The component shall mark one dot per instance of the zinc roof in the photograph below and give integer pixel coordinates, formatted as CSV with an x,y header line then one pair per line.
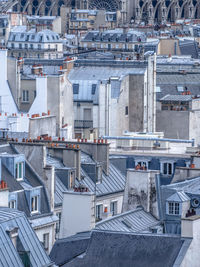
x,y
10,219
136,220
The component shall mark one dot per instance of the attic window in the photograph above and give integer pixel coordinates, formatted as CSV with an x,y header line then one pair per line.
x,y
53,37
173,208
94,86
47,37
180,88
32,37
12,204
75,88
19,170
34,204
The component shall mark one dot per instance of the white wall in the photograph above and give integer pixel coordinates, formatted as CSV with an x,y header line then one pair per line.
x,y
140,190
44,230
106,201
77,213
190,228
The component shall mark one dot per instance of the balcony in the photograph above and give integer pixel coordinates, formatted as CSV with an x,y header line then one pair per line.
x,y
83,124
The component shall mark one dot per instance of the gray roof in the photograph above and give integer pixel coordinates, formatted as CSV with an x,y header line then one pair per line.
x,y
118,249
191,186
179,197
44,36
136,220
85,77
116,35
10,219
112,183
67,248
182,98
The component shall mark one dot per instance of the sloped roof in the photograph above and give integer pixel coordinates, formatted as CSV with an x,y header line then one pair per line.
x,y
112,183
67,248
182,98
178,197
118,249
10,219
136,220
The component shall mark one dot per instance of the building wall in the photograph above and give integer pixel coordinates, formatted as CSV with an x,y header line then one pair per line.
x,y
121,119
194,119
168,47
77,213
42,126
106,202
140,189
136,103
190,229
50,229
174,124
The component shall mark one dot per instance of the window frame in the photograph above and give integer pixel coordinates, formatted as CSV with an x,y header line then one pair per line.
x,y
99,212
46,241
25,96
19,171
34,203
173,208
113,209
13,201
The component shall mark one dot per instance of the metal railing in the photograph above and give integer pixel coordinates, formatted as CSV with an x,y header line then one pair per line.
x,y
83,124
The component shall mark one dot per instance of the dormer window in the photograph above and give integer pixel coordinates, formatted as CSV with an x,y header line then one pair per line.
x,y
71,180
19,170
99,174
12,204
173,208
34,204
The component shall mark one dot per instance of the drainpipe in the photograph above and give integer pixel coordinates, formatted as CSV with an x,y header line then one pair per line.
x,y
150,139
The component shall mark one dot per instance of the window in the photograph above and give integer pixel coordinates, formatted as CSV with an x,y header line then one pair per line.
x,y
158,89
180,88
113,208
58,214
71,180
12,45
173,208
143,164
39,46
31,46
25,95
167,168
99,174
12,204
99,211
46,241
35,93
20,46
94,86
19,170
75,89
26,46
34,204
49,47
126,110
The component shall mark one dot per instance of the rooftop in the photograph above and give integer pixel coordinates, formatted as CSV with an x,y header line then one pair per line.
x,y
116,249
136,221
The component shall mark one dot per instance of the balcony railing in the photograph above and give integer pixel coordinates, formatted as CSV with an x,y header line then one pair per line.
x,y
83,124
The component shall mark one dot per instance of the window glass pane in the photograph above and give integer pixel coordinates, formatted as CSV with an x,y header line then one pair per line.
x,y
177,208
171,207
20,170
165,168
36,203
169,168
32,204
